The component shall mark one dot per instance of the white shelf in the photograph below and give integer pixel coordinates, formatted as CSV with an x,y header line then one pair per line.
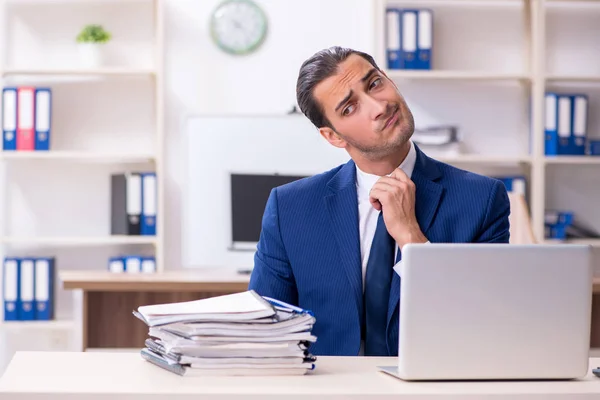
x,y
456,75
573,78
78,241
484,160
79,72
573,160
590,242
461,3
40,325
76,156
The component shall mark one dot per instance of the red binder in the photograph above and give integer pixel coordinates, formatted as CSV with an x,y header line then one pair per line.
x,y
26,118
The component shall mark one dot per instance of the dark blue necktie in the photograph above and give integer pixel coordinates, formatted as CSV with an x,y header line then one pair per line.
x,y
377,289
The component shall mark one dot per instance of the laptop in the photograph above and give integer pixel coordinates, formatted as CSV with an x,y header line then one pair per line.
x,y
494,311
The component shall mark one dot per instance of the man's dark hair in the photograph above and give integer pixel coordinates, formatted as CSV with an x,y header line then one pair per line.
x,y
317,68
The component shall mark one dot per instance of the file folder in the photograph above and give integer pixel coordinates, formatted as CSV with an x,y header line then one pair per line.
x,y
126,204
148,264
25,118
9,118
393,49
564,124
149,200
27,311
43,119
424,38
116,264
514,184
551,124
44,288
409,39
11,289
579,128
593,147
133,264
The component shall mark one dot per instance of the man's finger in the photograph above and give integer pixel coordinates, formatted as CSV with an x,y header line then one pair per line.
x,y
388,180
399,174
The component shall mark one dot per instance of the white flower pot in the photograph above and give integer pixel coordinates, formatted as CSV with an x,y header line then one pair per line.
x,y
91,54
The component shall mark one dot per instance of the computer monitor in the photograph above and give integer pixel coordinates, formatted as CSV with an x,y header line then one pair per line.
x,y
494,311
249,195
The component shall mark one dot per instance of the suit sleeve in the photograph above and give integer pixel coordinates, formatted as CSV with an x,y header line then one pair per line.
x,y
272,274
496,226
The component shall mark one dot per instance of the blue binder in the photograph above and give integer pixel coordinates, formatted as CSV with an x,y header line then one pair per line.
x,y
149,204
43,118
133,264
593,147
424,38
44,288
551,124
148,264
116,264
514,184
408,36
565,124
11,288
9,118
27,290
577,142
392,34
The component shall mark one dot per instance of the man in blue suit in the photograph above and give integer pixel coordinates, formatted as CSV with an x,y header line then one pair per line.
x,y
329,242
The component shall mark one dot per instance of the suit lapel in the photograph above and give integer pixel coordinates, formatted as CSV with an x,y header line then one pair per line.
x,y
342,206
428,194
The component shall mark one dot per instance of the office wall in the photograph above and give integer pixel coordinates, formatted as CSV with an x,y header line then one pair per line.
x,y
203,80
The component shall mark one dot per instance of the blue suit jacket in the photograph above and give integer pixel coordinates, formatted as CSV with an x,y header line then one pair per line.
x,y
309,248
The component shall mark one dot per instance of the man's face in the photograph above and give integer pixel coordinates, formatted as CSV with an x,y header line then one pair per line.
x,y
367,112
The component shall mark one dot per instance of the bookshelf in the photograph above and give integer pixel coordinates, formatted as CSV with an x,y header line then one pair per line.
x,y
539,45
106,119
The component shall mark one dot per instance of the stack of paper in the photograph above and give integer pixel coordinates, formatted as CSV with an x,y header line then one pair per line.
x,y
237,334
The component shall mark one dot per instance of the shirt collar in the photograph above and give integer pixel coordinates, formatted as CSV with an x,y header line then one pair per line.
x,y
365,181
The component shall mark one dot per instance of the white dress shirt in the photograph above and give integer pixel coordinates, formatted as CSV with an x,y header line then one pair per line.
x,y
367,214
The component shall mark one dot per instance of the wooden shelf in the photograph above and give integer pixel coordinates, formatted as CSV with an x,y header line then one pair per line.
x,y
78,240
77,156
196,280
456,75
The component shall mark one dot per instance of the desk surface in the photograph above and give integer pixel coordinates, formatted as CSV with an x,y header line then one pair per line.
x,y
201,279
197,280
128,376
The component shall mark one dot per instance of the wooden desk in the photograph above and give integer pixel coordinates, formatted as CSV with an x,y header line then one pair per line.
x,y
108,299
126,376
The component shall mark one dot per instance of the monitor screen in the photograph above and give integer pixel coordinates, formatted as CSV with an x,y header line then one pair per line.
x,y
249,195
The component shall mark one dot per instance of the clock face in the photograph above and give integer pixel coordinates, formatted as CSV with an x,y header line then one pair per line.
x,y
238,26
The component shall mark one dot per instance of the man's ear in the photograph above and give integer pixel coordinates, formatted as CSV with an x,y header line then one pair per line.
x,y
332,137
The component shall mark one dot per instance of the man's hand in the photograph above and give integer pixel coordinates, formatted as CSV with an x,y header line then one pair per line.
x,y
395,195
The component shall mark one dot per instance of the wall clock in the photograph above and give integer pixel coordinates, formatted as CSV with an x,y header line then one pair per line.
x,y
238,26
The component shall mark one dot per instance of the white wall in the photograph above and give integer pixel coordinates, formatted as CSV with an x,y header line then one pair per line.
x,y
203,80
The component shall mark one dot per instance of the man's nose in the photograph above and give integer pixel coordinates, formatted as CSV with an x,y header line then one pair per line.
x,y
377,108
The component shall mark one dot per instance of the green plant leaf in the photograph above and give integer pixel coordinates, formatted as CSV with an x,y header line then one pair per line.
x,y
93,33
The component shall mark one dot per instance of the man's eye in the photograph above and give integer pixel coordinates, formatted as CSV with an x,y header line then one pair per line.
x,y
348,109
375,83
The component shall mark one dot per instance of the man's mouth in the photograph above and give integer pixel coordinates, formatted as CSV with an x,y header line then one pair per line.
x,y
392,120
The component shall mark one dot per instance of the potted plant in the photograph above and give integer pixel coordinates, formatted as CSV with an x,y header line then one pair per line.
x,y
91,41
